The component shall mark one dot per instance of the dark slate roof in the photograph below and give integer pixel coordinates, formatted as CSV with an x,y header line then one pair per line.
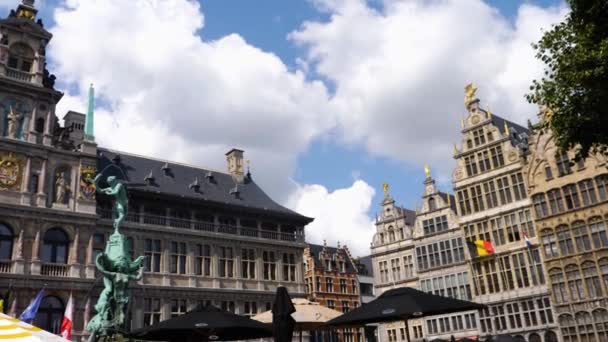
x,y
174,179
519,134
366,267
315,252
410,215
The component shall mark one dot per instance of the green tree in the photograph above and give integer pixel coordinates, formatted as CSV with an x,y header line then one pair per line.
x,y
575,82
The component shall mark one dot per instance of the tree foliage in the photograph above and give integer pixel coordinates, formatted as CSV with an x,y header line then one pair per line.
x,y
575,83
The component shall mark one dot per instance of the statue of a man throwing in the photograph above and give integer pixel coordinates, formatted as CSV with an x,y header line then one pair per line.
x,y
118,191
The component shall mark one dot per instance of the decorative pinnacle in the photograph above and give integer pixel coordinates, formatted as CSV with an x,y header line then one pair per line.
x,y
462,123
488,112
506,128
89,126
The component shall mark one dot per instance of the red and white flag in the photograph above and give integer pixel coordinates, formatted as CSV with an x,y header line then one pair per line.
x,y
66,324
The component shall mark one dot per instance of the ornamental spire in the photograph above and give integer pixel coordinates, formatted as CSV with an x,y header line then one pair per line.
x,y
89,130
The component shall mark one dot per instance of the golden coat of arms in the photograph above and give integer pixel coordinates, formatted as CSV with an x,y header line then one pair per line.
x,y
87,186
10,171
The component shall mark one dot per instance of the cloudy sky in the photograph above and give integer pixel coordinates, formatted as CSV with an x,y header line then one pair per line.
x,y
328,98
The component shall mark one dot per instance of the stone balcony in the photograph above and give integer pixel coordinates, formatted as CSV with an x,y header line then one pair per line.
x,y
203,226
18,75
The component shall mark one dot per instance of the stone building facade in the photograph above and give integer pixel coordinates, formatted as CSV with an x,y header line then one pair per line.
x,y
571,209
393,261
210,237
441,262
493,205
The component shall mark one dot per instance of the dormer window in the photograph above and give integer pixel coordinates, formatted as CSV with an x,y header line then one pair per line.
x,y
432,205
21,57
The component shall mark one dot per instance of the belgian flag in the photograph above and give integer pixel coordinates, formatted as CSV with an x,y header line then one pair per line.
x,y
480,248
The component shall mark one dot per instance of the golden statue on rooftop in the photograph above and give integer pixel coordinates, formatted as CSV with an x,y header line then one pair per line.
x,y
469,93
427,171
385,189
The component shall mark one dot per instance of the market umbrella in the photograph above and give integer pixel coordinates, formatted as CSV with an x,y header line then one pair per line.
x,y
206,323
12,329
308,316
504,338
282,322
403,303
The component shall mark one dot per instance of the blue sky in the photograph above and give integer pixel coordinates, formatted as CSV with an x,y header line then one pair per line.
x,y
266,24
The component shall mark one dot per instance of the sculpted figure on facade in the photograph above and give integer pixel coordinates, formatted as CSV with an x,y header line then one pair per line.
x,y
13,119
60,189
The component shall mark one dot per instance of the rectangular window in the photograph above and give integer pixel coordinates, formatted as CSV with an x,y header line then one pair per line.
x,y
396,269
519,189
464,202
478,137
153,255
571,196
497,158
248,263
556,201
503,190
477,198
484,161
498,231
506,272
178,257
329,284
270,266
602,186
490,192
345,306
178,307
587,192
331,304
202,265
226,262
343,287
383,266
563,164
470,165
408,266
289,267
152,311
540,205
512,227
548,173
514,315
228,305
250,308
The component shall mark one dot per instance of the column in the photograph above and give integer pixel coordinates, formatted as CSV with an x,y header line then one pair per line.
x,y
35,270
259,268
73,193
166,259
26,198
48,129
238,265
190,267
214,265
87,312
73,257
41,196
89,262
18,262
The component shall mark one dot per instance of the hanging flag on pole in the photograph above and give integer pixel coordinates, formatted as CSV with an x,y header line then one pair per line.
x,y
66,324
480,248
528,243
30,312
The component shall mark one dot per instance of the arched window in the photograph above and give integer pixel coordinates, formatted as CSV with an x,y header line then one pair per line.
x,y
549,243
432,205
592,280
598,232
55,246
50,314
585,327
568,326
469,143
534,337
381,237
20,57
558,284
602,186
391,234
39,125
603,263
575,283
551,336
581,235
564,237
600,319
6,242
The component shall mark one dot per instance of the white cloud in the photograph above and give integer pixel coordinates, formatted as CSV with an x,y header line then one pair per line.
x,y
340,215
176,96
400,72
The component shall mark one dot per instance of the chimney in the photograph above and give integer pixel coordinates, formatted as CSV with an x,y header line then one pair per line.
x,y
234,158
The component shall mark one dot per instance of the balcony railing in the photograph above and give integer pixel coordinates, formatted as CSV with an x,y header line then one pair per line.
x,y
19,75
55,270
181,223
5,266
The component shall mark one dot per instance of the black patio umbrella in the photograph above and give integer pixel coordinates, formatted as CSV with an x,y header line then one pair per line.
x,y
439,340
403,303
504,338
282,322
206,323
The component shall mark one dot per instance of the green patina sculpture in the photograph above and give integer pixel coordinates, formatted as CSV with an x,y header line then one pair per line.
x,y
117,269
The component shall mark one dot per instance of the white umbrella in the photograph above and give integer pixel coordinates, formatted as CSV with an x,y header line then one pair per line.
x,y
308,316
12,329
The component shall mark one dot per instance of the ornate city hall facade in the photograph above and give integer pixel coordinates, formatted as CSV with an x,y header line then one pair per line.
x,y
571,209
209,236
442,262
493,205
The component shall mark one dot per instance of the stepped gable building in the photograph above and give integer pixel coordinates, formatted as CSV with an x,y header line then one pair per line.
x,y
210,237
441,264
571,209
493,205
394,261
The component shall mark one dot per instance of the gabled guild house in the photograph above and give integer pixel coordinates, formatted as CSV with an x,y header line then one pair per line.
x,y
209,235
